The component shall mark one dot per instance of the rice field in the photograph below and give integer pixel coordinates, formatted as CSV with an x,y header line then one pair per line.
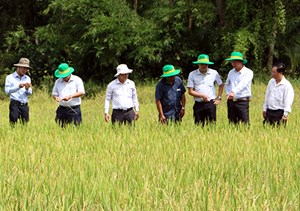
x,y
149,166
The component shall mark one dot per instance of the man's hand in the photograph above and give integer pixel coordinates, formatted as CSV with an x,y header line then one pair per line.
x,y
162,119
230,96
27,85
106,117
136,115
181,113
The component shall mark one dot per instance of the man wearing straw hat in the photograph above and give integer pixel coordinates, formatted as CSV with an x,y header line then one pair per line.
x,y
68,90
169,96
238,89
122,93
201,85
18,86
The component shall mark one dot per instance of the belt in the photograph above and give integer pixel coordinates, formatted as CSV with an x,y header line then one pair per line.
x,y
123,110
69,107
203,102
18,102
242,99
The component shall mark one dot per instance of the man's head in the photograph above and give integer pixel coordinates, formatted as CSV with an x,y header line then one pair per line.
x,y
237,60
203,62
122,72
23,66
169,71
64,71
278,70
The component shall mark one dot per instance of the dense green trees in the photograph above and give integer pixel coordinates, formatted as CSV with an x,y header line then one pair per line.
x,y
96,35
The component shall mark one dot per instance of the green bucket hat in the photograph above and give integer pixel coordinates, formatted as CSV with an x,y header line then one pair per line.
x,y
203,59
236,56
169,70
63,70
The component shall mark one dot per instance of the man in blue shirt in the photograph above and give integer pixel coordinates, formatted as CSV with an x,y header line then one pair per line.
x,y
169,96
18,86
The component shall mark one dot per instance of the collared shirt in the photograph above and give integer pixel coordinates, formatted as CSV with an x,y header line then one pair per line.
x,y
279,96
239,82
204,83
123,96
12,88
170,96
64,89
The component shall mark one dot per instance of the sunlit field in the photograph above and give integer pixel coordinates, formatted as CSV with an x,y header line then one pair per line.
x,y
149,166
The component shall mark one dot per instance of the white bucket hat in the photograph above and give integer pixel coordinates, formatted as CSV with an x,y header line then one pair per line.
x,y
123,69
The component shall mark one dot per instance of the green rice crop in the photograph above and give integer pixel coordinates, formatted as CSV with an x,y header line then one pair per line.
x,y
149,166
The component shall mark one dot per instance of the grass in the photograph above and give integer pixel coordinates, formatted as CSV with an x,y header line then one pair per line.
x,y
149,166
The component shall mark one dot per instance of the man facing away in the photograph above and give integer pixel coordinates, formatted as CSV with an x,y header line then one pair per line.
x,y
238,89
169,96
122,93
18,86
279,97
201,85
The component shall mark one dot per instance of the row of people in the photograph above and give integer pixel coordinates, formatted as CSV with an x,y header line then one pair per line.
x,y
169,94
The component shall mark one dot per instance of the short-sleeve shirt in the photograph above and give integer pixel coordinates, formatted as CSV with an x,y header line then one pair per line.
x,y
63,89
204,83
170,96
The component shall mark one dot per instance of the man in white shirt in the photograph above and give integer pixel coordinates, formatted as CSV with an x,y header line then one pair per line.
x,y
238,89
68,90
279,97
201,85
122,93
18,86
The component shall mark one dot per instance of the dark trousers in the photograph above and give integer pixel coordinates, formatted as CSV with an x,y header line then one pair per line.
x,y
67,115
123,116
18,110
274,117
238,111
204,112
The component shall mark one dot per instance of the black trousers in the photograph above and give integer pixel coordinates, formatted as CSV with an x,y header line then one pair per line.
x,y
274,117
238,111
123,116
204,112
18,110
67,115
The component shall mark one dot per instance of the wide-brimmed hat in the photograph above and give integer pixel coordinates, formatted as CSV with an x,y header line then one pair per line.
x,y
23,62
63,70
169,70
123,69
203,59
237,56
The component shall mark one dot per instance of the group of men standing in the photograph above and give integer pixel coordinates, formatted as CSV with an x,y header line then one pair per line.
x,y
170,99
169,94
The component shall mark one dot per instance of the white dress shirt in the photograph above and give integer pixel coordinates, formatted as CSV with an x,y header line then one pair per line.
x,y
123,96
279,96
12,88
64,89
204,83
239,82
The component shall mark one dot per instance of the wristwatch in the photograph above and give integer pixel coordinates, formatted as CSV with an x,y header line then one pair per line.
x,y
183,108
219,98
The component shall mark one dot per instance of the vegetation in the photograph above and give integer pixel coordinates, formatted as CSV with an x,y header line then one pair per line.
x,y
149,166
95,36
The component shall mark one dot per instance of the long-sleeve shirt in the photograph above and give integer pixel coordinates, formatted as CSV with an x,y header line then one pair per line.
x,y
12,88
123,96
279,96
239,82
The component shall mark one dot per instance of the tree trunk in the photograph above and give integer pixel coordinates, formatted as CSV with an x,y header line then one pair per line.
x,y
271,49
221,11
135,5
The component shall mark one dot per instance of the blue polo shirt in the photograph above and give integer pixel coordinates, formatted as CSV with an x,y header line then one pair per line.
x,y
170,96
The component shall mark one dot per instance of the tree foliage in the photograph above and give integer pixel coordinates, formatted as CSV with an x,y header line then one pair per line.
x,y
95,36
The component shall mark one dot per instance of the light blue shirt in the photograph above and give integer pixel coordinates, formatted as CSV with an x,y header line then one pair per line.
x,y
12,88
204,83
239,82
